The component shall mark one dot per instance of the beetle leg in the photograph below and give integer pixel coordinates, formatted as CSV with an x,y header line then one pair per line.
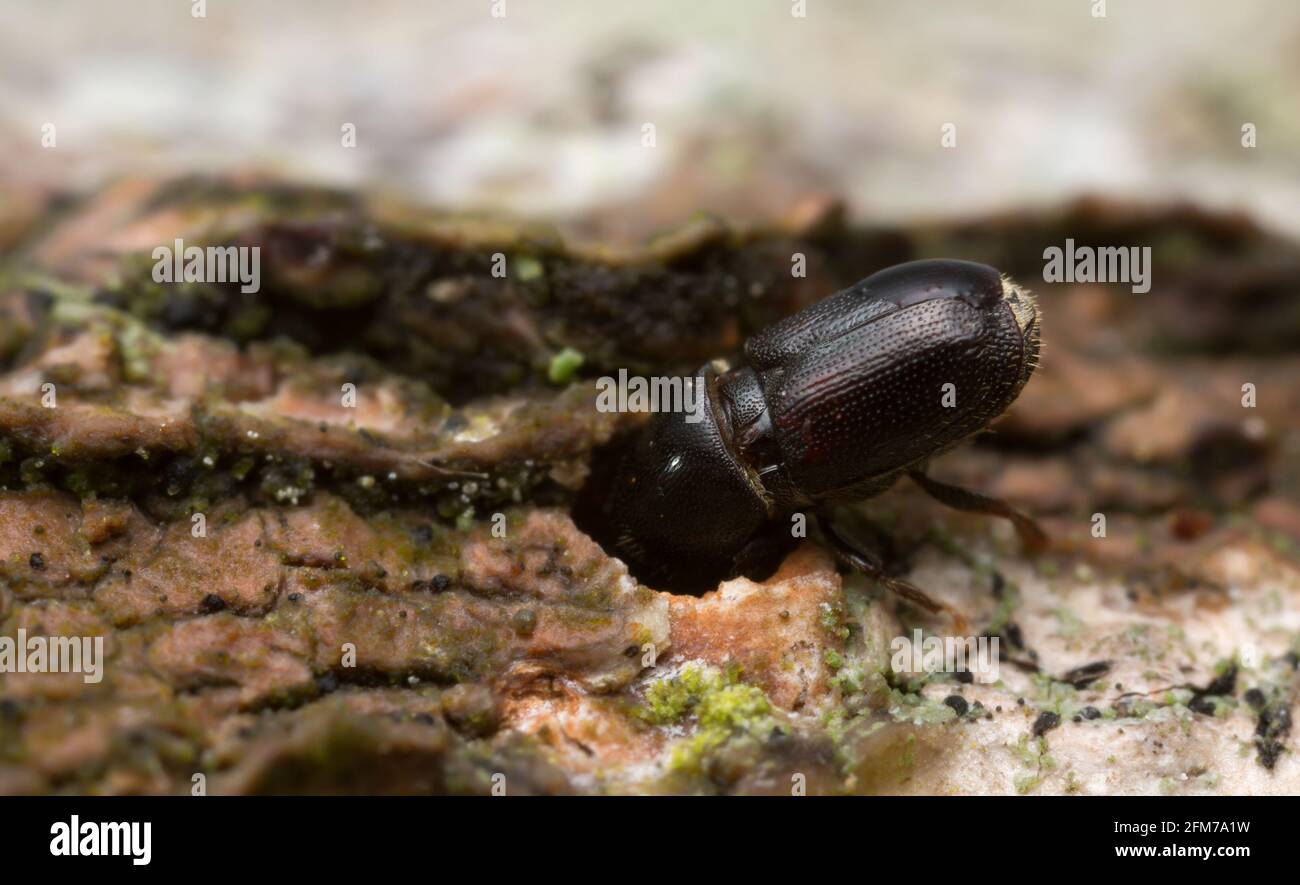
x,y
1031,535
869,564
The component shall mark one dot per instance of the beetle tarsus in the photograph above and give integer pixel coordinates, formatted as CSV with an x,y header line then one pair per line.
x,y
854,556
958,498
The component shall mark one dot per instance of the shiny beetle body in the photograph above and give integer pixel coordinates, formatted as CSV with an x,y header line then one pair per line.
x,y
834,403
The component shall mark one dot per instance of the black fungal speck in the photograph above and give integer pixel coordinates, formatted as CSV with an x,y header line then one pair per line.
x,y
958,704
1045,722
1082,677
211,604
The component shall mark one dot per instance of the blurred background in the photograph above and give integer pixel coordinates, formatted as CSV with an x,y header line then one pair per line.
x,y
541,112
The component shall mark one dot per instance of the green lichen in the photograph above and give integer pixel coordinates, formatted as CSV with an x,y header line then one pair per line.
x,y
1025,782
918,709
850,679
1006,609
465,520
1068,623
1033,754
1056,697
831,618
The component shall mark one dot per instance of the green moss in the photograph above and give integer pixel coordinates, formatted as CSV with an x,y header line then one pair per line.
x,y
724,709
564,366
137,347
715,697
669,700
733,707
528,268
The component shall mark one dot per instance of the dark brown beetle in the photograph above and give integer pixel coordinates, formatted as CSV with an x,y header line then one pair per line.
x,y
835,403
